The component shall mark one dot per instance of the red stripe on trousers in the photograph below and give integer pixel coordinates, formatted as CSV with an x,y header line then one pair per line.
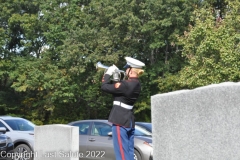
x,y
120,143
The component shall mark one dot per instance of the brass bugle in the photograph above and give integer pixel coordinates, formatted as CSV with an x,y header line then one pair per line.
x,y
99,65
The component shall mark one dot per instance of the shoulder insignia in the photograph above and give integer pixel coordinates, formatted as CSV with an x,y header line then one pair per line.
x,y
117,85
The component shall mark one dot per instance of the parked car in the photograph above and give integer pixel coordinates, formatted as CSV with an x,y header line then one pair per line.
x,y
141,131
146,125
6,145
95,139
21,131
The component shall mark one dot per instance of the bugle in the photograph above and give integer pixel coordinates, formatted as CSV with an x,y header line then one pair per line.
x,y
117,75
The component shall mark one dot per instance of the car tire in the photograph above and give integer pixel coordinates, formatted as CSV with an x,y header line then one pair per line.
x,y
23,152
137,155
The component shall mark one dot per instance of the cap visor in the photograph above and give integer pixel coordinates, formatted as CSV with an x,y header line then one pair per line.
x,y
127,66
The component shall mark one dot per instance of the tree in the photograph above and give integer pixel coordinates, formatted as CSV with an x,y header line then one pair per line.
x,y
57,44
212,48
108,31
20,36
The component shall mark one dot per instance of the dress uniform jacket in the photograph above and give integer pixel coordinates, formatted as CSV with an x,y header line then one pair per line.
x,y
124,92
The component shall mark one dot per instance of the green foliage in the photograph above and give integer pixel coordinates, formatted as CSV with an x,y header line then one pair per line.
x,y
212,48
49,49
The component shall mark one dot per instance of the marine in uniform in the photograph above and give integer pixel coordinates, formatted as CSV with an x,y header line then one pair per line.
x,y
125,94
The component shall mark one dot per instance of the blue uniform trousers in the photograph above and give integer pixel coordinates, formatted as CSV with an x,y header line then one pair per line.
x,y
123,142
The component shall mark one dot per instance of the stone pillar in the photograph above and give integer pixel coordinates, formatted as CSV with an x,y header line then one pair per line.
x,y
198,124
56,142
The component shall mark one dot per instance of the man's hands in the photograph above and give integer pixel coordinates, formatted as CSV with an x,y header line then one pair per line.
x,y
111,70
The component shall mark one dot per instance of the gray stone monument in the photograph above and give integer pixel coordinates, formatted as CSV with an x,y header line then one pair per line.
x,y
198,124
56,142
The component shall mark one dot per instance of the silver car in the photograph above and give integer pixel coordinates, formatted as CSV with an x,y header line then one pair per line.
x,y
95,141
21,131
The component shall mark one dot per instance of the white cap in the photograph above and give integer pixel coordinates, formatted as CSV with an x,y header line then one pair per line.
x,y
134,63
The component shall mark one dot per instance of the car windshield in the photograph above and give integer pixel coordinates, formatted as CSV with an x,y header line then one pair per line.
x,y
148,125
20,124
139,131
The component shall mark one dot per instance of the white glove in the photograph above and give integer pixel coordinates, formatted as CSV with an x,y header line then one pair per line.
x,y
116,68
111,70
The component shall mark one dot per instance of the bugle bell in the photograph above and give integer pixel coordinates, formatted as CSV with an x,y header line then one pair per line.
x,y
117,75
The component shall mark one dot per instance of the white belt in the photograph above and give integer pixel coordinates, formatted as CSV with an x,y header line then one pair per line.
x,y
122,105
